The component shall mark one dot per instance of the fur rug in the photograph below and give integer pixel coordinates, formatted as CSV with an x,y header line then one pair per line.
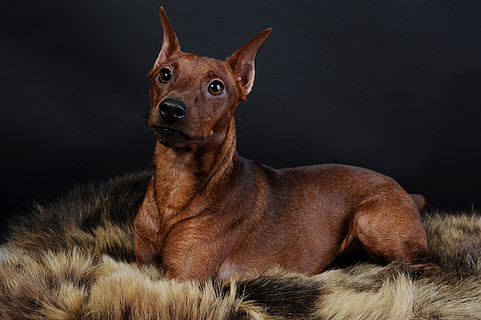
x,y
71,260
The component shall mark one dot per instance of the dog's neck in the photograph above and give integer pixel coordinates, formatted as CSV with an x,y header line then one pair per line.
x,y
182,174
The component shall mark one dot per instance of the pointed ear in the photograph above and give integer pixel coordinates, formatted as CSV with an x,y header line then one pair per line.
x,y
170,44
242,62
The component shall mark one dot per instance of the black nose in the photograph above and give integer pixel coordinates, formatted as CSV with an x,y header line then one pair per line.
x,y
172,110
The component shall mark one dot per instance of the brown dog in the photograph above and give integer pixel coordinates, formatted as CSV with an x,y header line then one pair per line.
x,y
210,213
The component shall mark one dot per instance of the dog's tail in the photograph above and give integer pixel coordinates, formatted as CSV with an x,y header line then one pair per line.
x,y
419,200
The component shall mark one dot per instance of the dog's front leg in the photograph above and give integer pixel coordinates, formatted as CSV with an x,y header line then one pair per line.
x,y
146,230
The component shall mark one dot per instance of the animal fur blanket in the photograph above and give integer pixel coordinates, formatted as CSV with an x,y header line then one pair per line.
x,y
71,259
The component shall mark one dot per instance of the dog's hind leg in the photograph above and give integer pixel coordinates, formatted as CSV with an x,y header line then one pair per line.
x,y
389,228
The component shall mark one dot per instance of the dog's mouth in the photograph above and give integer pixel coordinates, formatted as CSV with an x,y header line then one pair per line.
x,y
168,132
173,138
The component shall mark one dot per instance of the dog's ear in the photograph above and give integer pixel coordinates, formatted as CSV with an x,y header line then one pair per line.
x,y
170,44
242,62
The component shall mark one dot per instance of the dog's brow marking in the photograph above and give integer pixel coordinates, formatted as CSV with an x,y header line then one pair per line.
x,y
213,74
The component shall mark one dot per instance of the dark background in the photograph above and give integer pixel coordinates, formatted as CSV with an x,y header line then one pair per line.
x,y
394,86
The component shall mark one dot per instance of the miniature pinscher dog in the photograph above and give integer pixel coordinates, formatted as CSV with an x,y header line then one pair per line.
x,y
209,213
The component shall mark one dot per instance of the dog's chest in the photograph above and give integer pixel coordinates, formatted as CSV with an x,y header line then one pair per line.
x,y
194,249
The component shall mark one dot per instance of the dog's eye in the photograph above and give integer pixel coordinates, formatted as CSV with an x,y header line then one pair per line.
x,y
216,87
165,75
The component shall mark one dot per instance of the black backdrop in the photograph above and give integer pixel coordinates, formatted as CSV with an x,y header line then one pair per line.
x,y
394,86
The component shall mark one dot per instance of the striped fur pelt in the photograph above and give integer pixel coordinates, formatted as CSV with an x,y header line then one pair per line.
x,y
71,259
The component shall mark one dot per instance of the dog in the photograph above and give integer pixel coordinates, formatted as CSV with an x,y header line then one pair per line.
x,y
210,214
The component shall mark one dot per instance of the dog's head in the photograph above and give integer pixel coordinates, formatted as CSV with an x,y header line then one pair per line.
x,y
194,98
